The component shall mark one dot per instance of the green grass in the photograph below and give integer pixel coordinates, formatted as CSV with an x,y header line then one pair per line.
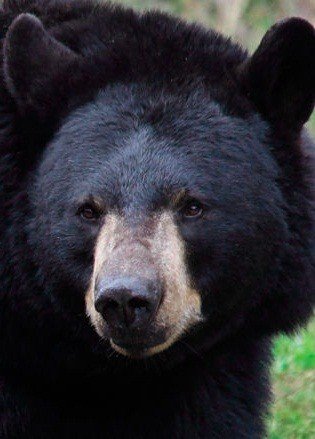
x,y
293,411
311,125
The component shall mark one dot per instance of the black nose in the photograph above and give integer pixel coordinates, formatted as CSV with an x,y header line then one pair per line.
x,y
127,303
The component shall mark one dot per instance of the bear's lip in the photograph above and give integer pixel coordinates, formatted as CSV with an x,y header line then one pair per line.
x,y
130,350
137,343
137,346
142,350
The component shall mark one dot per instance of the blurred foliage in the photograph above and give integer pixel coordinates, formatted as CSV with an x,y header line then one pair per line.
x,y
245,21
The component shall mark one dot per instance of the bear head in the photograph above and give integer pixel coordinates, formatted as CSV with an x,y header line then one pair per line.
x,y
168,184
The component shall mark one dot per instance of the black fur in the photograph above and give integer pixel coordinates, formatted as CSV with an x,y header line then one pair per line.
x,y
98,99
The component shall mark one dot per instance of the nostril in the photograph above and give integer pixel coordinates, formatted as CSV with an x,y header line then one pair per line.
x,y
138,302
106,304
111,303
136,311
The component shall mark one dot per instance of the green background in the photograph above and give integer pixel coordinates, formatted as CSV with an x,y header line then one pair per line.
x,y
293,412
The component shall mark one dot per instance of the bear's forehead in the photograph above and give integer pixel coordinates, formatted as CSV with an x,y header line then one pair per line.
x,y
189,120
131,137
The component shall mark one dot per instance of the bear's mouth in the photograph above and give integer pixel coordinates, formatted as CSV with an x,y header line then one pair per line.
x,y
142,350
140,345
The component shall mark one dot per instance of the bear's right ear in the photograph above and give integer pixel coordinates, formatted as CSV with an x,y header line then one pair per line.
x,y
280,76
36,65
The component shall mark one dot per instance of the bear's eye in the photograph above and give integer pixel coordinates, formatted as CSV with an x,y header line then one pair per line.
x,y
89,212
193,209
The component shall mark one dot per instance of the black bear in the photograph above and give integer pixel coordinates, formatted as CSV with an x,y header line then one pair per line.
x,y
157,221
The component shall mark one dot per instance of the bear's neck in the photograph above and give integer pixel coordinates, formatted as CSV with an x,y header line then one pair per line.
x,y
216,391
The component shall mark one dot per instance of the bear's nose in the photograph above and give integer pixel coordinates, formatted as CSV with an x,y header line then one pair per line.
x,y
127,304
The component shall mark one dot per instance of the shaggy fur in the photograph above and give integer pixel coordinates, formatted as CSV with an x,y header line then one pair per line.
x,y
132,108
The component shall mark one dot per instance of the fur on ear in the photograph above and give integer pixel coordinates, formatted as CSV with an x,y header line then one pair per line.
x,y
35,63
280,76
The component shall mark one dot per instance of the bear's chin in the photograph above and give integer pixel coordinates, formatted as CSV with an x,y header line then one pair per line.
x,y
141,351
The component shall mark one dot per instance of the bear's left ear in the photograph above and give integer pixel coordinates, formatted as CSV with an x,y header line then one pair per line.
x,y
37,67
280,76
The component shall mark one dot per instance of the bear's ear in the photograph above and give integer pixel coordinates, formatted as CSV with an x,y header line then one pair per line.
x,y
280,76
35,64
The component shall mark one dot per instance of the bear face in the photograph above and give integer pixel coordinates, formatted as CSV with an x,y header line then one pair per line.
x,y
186,201
169,193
